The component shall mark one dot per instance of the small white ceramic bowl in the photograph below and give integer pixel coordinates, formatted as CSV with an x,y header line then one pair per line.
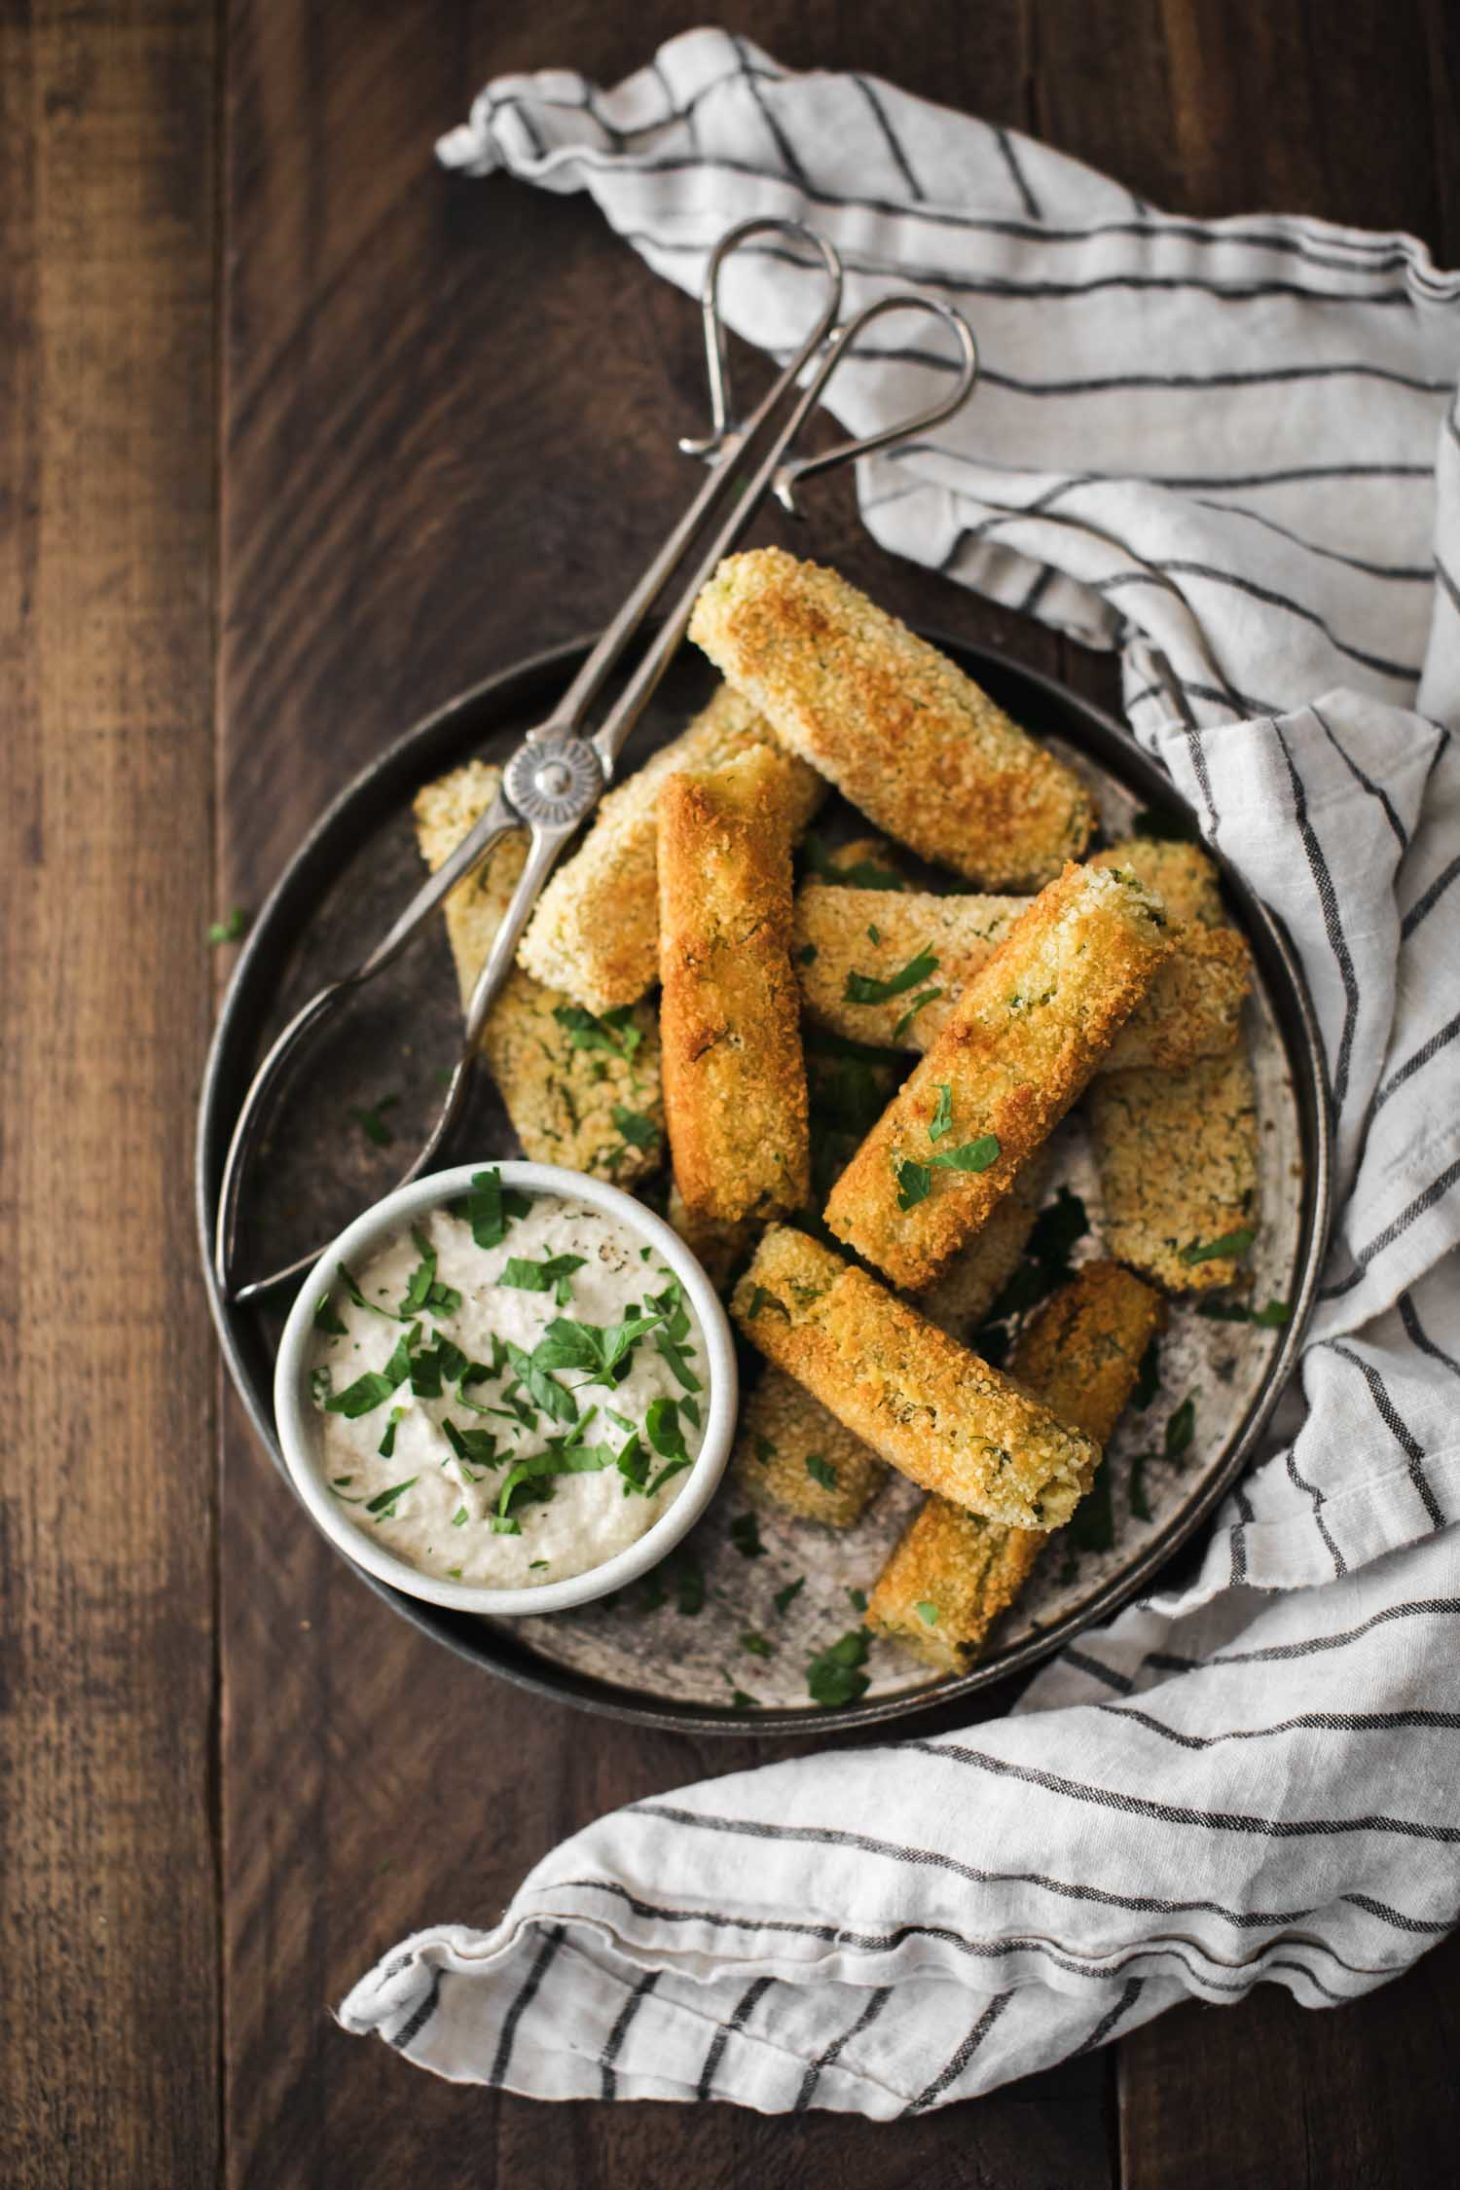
x,y
295,1415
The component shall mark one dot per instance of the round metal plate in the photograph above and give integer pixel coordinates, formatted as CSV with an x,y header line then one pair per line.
x,y
354,869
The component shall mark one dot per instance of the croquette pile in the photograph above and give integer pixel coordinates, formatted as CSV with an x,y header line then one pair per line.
x,y
856,1080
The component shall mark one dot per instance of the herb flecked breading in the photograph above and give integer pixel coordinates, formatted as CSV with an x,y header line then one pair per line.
x,y
927,1405
1019,1048
910,739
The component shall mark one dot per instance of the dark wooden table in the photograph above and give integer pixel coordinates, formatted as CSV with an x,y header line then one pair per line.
x,y
297,437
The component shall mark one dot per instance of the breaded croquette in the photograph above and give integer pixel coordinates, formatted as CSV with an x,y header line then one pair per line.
x,y
951,1573
1019,1047
595,932
959,1300
792,1453
913,742
930,1407
730,1021
580,1091
1183,876
888,968
1177,1155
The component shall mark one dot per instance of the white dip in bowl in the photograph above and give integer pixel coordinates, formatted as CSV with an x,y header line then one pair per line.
x,y
506,1388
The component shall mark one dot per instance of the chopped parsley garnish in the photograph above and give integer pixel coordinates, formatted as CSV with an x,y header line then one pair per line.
x,y
927,1611
544,1390
373,1307
857,1598
761,1299
533,1565
821,1471
941,1122
869,988
554,1274
538,1466
834,1676
665,1435
756,1644
765,1451
1180,1427
231,930
326,1317
919,1003
970,1156
439,1364
874,933
615,1031
690,1586
460,1518
637,1130
473,1449
807,955
915,1180
371,1120
671,1335
598,1348
382,1506
1271,1318
386,1447
785,1598
423,1292
1212,1250
490,1207
739,1698
745,1536
373,1388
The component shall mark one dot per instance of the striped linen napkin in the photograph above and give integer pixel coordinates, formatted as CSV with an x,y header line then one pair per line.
x,y
1230,450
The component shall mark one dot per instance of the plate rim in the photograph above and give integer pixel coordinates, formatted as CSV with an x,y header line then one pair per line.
x,y
496,1652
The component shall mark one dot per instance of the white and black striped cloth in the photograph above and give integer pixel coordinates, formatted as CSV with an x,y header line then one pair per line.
x,y
1229,449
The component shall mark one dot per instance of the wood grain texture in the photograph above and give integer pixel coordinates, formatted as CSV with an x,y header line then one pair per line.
x,y
448,423
108,1916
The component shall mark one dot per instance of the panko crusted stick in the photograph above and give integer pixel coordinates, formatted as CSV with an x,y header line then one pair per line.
x,y
1020,1046
888,968
951,1573
1177,1156
730,1025
931,1408
915,744
580,1091
595,932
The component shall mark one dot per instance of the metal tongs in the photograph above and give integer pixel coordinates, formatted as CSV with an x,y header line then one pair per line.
x,y
560,771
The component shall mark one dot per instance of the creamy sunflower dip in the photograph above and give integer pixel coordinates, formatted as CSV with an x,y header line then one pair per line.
x,y
510,1391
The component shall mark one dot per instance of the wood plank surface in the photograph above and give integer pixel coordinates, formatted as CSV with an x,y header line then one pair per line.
x,y
108,1915
450,417
446,424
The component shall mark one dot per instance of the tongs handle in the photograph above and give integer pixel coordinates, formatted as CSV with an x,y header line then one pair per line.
x,y
554,779
776,475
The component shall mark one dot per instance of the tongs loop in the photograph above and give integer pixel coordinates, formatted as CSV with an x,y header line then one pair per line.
x,y
559,773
